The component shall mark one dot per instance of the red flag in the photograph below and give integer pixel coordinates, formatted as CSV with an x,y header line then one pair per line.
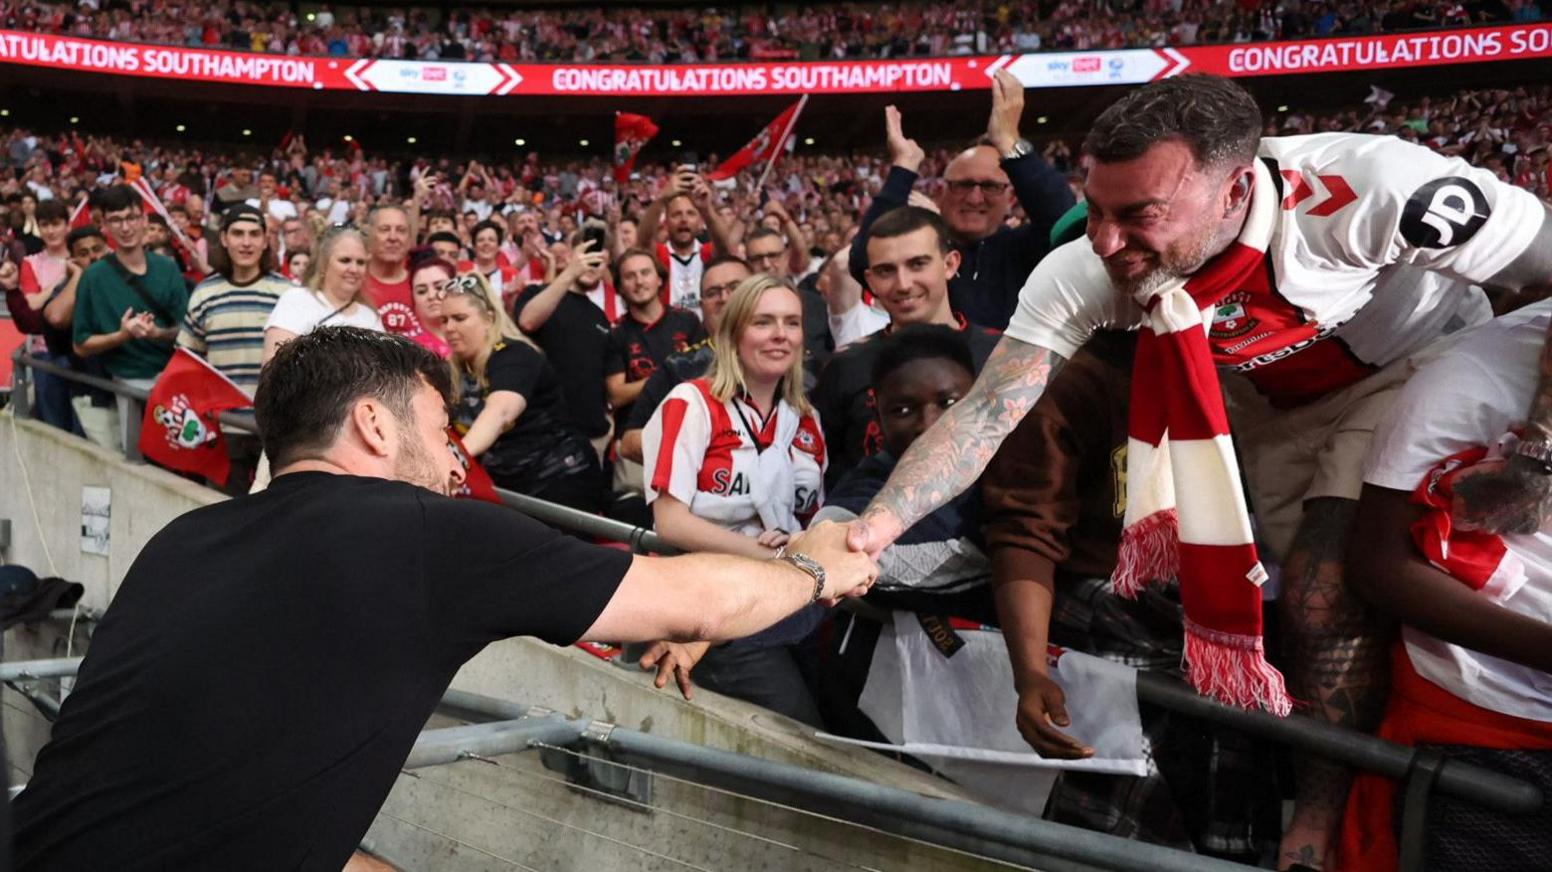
x,y
764,147
476,481
180,430
631,132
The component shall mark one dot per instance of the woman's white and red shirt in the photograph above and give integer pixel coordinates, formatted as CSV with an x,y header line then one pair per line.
x,y
731,465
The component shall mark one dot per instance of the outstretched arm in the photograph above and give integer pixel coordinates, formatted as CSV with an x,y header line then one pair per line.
x,y
949,457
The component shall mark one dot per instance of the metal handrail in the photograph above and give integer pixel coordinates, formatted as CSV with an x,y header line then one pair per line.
x,y
1475,784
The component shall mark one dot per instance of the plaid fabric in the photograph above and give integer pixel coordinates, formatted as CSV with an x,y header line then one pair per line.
x,y
1210,790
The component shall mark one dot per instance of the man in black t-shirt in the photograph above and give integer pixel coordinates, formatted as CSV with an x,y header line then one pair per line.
x,y
268,661
910,262
573,333
721,277
649,332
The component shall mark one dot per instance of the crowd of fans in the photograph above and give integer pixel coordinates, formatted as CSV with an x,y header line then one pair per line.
x,y
805,31
638,349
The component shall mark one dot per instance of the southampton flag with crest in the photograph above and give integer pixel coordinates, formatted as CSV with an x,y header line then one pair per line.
x,y
764,148
631,133
180,430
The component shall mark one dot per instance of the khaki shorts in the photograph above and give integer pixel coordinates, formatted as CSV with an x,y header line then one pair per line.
x,y
1318,450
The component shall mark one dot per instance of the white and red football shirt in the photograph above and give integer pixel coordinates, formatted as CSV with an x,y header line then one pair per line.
x,y
683,288
706,453
1375,253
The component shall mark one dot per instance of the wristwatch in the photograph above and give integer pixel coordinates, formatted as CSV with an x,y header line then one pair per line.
x,y
1021,147
808,565
1538,450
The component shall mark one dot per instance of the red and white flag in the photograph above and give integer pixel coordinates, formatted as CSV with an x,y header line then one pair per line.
x,y
631,133
181,429
763,148
477,484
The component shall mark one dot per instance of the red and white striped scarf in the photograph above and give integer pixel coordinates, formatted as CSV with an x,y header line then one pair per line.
x,y
1185,509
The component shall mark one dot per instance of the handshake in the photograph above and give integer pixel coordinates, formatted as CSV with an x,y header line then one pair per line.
x,y
848,573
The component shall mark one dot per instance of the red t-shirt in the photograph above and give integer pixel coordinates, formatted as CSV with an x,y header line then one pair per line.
x,y
395,305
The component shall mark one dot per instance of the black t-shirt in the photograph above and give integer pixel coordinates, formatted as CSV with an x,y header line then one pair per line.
x,y
263,671
543,445
576,341
844,398
638,349
676,369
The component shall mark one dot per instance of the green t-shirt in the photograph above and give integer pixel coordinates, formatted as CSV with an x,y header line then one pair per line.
x,y
104,293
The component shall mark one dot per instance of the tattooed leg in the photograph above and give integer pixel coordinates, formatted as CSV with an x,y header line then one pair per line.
x,y
1337,666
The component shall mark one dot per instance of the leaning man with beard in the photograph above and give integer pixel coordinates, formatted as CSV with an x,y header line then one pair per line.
x,y
1317,273
268,661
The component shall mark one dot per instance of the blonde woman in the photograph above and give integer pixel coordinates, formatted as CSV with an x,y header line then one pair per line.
x,y
735,462
509,409
331,295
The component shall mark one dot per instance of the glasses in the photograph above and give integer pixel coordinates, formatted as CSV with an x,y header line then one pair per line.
x,y
963,187
123,220
717,292
465,285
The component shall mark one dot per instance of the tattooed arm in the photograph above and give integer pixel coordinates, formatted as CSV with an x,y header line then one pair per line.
x,y
1518,497
949,457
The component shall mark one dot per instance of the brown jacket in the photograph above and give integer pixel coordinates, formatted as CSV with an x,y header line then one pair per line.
x,y
1055,493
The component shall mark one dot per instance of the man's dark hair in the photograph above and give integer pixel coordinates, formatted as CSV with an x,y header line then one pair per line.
x,y
721,259
89,231
307,389
920,342
909,219
1217,119
761,232
221,259
487,224
116,198
444,236
51,212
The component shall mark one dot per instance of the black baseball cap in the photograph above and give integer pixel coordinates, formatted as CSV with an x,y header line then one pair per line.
x,y
241,212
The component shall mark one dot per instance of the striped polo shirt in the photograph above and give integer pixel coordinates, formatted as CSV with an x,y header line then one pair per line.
x,y
225,324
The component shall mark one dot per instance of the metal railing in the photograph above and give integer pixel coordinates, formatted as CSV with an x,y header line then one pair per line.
x,y
1422,771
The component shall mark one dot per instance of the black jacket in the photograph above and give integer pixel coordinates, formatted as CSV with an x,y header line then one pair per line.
x,y
993,270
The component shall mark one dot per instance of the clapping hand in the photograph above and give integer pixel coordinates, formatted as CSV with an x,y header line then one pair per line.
x,y
138,326
903,152
1002,128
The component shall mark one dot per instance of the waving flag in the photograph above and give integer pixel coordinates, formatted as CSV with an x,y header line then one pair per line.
x,y
181,430
631,133
763,148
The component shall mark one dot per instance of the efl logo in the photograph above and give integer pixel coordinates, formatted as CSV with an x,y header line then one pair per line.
x,y
1089,64
434,74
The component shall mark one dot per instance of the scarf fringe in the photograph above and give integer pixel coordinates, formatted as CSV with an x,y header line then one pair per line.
x,y
1234,672
1149,552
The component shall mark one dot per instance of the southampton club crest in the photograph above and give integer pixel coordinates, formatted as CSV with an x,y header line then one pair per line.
x,y
1230,318
182,423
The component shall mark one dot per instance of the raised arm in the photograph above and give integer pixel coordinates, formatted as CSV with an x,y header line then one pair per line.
x,y
721,231
905,160
681,182
1040,189
949,457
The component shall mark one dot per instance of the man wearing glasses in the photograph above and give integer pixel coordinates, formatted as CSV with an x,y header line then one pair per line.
x,y
129,304
979,185
721,277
